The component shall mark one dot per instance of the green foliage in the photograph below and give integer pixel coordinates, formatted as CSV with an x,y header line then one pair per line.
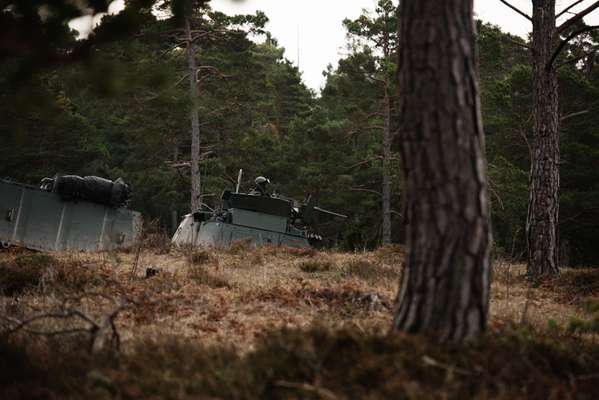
x,y
35,34
591,325
123,111
580,326
508,186
352,101
507,111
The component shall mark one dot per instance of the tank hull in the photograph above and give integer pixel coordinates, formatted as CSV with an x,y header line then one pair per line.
x,y
222,234
42,220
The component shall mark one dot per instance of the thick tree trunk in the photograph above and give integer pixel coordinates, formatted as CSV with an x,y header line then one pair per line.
x,y
196,199
386,167
543,205
445,287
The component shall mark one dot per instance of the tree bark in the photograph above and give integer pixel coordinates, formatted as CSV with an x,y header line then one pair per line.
x,y
543,205
196,194
387,139
445,287
386,166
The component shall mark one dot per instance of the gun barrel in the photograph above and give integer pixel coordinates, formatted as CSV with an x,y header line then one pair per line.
x,y
334,214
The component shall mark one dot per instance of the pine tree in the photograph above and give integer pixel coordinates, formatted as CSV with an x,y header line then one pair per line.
x,y
542,225
377,34
445,287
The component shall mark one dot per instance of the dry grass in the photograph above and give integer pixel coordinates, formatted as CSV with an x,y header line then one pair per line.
x,y
218,307
253,291
39,274
231,297
371,271
316,265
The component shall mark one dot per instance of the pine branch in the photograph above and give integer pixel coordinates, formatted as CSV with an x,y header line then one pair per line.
x,y
565,10
367,161
528,17
564,42
517,43
574,114
185,76
366,191
213,70
577,215
579,16
576,59
570,61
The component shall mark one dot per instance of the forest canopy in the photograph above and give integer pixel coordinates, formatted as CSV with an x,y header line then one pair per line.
x,y
117,105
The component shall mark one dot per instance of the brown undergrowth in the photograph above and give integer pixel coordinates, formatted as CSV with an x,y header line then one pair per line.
x,y
313,363
38,273
574,285
275,323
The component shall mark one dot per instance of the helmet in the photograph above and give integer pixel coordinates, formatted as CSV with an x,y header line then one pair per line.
x,y
262,180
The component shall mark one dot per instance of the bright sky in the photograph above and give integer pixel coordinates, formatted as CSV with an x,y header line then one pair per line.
x,y
316,25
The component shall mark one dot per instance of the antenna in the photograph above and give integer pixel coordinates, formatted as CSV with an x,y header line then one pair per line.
x,y
298,47
239,180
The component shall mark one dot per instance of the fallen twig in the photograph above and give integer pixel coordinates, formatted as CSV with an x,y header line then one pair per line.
x,y
306,387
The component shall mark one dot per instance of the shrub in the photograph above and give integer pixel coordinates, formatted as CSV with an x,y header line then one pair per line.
x,y
201,276
389,254
15,281
24,273
298,252
72,275
368,271
200,257
580,282
239,246
314,363
155,237
589,326
31,271
573,285
313,265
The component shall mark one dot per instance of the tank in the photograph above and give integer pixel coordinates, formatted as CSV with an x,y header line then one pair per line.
x,y
260,220
68,213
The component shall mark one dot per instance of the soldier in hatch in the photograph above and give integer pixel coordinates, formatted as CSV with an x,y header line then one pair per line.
x,y
260,189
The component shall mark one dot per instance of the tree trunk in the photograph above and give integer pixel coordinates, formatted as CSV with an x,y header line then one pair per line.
x,y
386,144
445,287
386,166
196,199
543,204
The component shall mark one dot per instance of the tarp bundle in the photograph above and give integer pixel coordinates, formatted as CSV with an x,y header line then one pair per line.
x,y
92,188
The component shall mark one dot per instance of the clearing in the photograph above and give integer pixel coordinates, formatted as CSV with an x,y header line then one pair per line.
x,y
275,323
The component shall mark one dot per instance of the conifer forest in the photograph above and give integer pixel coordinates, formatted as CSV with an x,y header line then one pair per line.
x,y
457,164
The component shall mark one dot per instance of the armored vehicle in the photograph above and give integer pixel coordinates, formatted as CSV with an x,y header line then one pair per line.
x,y
68,213
259,219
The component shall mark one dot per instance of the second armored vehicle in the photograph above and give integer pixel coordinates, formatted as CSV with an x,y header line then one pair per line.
x,y
259,219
